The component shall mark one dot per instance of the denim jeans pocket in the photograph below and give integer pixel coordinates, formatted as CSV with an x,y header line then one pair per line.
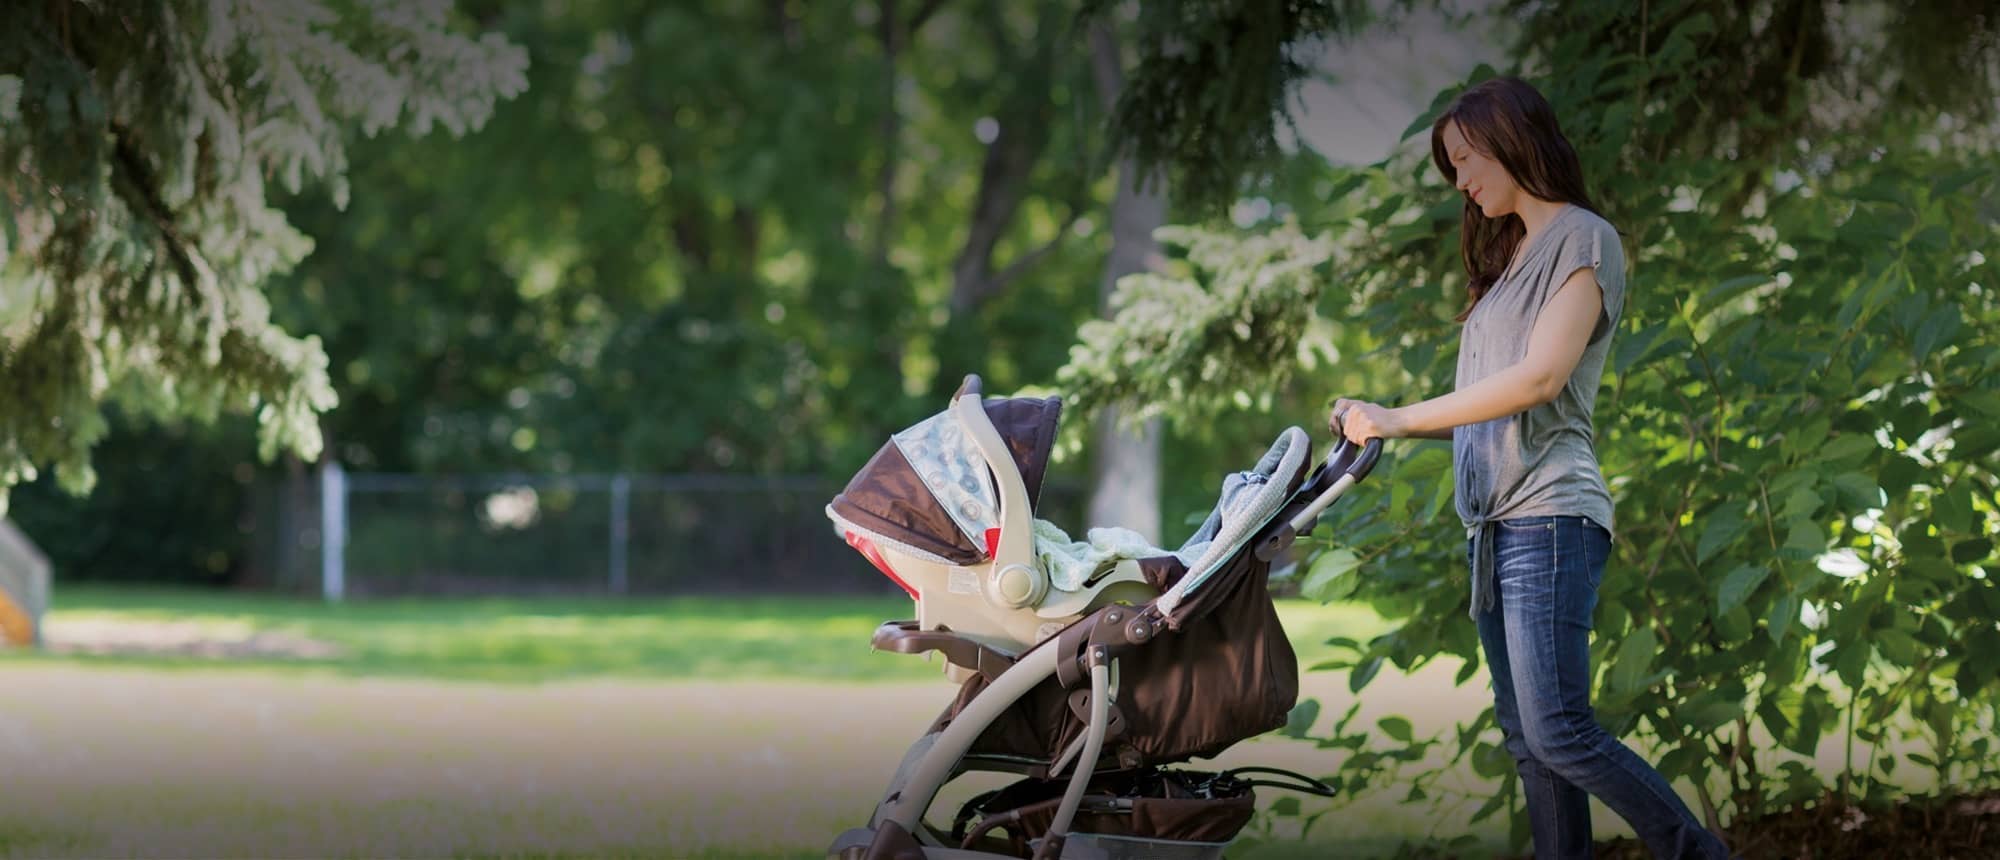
x,y
1526,548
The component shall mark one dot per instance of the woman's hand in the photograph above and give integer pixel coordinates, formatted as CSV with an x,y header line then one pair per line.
x,y
1361,421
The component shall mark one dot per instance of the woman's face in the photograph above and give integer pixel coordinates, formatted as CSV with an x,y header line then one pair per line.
x,y
1480,177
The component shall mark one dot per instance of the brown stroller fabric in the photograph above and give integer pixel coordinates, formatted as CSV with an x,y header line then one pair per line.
x,y
1155,805
1227,674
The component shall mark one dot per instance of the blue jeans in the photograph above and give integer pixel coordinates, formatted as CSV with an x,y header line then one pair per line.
x,y
1537,644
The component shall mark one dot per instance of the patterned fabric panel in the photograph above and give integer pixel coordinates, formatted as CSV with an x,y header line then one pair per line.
x,y
944,456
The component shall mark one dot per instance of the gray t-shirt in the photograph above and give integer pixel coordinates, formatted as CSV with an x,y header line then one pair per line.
x,y
1540,462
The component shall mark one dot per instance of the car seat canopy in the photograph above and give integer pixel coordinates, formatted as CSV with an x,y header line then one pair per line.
x,y
930,490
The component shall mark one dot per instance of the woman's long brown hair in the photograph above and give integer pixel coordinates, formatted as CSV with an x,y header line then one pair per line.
x,y
1508,120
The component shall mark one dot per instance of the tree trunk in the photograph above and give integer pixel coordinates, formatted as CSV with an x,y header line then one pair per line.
x,y
1125,473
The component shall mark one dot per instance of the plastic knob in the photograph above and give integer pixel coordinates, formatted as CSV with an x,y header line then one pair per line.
x,y
1017,585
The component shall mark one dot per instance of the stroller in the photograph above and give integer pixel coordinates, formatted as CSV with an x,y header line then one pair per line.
x,y
1087,683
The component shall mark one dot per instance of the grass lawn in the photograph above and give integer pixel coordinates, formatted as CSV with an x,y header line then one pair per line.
x,y
527,640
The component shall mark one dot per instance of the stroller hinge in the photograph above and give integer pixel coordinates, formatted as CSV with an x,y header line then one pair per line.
x,y
1051,846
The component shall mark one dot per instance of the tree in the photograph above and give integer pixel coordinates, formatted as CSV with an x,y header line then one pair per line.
x,y
1797,423
1125,479
672,251
139,233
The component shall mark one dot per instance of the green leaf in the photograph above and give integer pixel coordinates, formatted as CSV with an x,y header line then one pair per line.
x,y
1630,350
1725,525
1738,585
1949,184
1937,328
1858,490
1346,185
1634,659
1898,474
1400,493
1299,722
1850,662
1934,238
1328,580
1898,647
1981,664
1363,673
1953,508
1720,294
1881,188
1848,446
1971,551
1804,542
1680,760
1804,738
1812,435
1985,401
1430,114
1286,806
1708,712
1802,503
1490,760
1783,613
1396,727
1791,481
1850,308
1493,804
1778,712
1734,625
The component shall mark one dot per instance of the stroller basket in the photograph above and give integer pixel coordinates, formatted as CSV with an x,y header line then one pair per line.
x,y
1146,813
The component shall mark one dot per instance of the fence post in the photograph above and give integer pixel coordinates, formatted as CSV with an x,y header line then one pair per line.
x,y
621,507
332,531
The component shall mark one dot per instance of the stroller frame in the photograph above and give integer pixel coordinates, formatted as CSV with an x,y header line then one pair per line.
x,y
1085,652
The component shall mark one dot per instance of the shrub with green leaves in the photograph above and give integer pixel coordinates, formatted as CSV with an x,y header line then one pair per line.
x,y
1799,422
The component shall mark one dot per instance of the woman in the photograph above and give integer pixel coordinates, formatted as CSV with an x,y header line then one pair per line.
x,y
1547,283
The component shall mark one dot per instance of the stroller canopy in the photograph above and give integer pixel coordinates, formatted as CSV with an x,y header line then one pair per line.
x,y
930,492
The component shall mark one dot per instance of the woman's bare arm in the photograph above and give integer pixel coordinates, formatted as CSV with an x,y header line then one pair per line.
x,y
1561,333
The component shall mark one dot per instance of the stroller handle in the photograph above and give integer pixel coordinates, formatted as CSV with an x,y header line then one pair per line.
x,y
1357,465
1353,462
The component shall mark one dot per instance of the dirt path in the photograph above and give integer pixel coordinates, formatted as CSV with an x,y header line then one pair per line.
x,y
162,637
126,762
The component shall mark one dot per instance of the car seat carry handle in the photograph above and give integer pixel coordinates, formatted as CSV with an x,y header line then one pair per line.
x,y
971,386
1016,543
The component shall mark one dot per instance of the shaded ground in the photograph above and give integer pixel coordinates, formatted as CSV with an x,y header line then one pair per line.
x,y
115,761
1950,828
694,729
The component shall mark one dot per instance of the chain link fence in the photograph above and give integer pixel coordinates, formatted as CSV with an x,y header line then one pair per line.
x,y
397,534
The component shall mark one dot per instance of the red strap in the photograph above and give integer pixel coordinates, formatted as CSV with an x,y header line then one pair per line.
x,y
867,549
